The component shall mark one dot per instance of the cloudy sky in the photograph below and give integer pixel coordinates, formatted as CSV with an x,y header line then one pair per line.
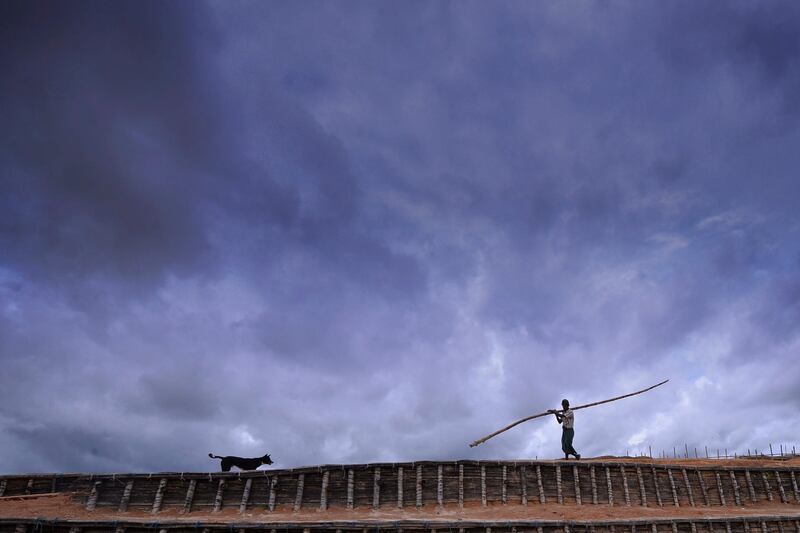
x,y
376,231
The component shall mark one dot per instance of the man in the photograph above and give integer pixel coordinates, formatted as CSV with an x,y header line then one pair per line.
x,y
567,420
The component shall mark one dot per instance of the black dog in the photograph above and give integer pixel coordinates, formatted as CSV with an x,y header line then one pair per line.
x,y
242,463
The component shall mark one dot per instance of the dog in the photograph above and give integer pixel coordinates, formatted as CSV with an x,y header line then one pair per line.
x,y
242,463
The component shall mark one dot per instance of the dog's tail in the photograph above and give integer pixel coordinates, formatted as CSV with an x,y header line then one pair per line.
x,y
214,456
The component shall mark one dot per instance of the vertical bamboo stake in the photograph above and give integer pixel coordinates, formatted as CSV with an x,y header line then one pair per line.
x,y
674,527
273,488
688,486
523,481
608,485
558,485
440,486
750,488
376,488
504,494
642,493
3,484
542,498
126,497
298,498
672,487
419,486
719,488
625,485
483,485
780,487
577,484
461,485
400,487
29,487
703,487
764,528
162,485
746,526
727,526
766,485
795,489
655,483
92,501
218,498
245,495
694,527
323,494
350,480
736,496
187,503
594,484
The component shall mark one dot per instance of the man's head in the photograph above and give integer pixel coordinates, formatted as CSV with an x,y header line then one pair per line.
x,y
565,403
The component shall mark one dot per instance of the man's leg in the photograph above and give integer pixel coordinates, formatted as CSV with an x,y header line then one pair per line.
x,y
568,435
564,443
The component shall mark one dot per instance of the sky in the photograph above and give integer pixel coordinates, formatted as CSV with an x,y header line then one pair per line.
x,y
361,231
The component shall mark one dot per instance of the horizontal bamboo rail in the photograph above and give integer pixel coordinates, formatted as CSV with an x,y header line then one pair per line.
x,y
750,524
429,483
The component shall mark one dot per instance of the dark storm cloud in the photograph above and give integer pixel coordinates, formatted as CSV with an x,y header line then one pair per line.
x,y
376,233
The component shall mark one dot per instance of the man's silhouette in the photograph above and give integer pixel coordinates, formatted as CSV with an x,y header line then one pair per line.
x,y
567,420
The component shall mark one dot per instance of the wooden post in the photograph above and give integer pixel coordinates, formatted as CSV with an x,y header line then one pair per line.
x,y
764,528
376,488
558,485
542,498
780,487
688,486
523,481
736,496
245,495
746,526
419,486
674,527
3,484
693,526
400,487
672,487
719,488
625,485
298,498
594,484
273,486
323,494
504,494
92,501
440,486
642,493
608,485
795,489
350,481
461,485
766,485
483,485
29,486
187,503
703,488
126,497
750,488
577,484
218,497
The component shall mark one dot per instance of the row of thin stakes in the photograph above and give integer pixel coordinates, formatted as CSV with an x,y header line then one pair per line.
x,y
739,525
376,486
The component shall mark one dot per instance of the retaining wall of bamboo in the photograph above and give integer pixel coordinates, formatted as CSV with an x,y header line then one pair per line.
x,y
752,524
425,484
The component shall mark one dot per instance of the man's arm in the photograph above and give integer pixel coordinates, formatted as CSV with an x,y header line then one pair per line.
x,y
558,416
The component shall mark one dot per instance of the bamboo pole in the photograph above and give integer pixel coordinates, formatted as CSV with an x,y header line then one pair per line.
x,y
539,415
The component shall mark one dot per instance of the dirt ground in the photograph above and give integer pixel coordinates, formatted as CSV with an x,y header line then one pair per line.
x,y
61,506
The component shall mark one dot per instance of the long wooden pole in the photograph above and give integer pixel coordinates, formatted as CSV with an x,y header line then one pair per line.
x,y
487,437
